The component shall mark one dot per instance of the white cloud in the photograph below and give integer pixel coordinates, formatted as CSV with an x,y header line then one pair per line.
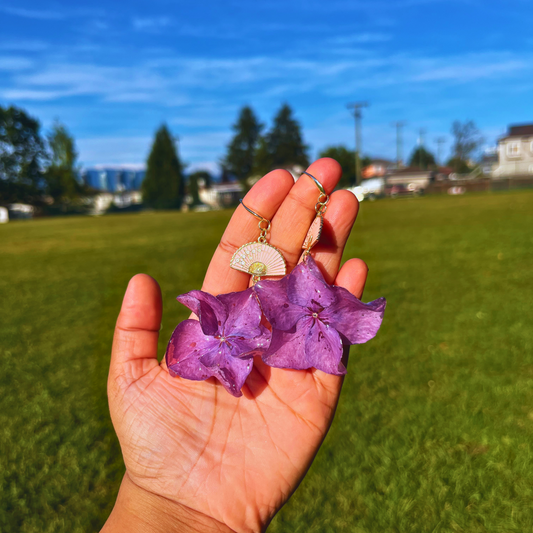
x,y
470,72
24,46
151,23
361,38
14,63
113,150
34,13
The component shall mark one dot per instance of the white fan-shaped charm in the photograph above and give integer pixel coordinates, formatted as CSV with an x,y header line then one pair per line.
x,y
259,259
313,235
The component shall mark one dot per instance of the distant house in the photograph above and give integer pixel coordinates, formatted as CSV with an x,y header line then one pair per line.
x,y
377,168
221,195
515,152
412,178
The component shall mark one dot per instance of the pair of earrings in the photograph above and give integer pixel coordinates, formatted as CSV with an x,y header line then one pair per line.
x,y
310,321
261,258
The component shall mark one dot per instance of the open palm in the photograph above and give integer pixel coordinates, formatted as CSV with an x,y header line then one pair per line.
x,y
231,461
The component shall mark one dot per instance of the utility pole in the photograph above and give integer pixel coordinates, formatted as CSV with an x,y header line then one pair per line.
x,y
440,141
357,106
399,148
421,134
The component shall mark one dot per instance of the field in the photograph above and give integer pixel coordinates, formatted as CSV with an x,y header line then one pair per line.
x,y
434,431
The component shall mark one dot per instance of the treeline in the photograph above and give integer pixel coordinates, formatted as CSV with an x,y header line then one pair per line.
x,y
34,168
41,169
252,152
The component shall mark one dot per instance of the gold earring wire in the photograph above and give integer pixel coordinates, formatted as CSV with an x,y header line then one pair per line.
x,y
315,231
259,258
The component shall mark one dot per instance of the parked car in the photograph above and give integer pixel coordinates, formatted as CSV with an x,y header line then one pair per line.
x,y
401,189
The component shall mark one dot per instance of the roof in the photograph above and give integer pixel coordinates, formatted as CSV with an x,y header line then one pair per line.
x,y
411,171
227,187
521,129
381,162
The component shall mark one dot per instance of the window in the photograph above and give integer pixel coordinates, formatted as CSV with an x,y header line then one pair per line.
x,y
513,149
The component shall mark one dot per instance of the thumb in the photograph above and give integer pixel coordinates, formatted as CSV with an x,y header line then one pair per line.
x,y
137,330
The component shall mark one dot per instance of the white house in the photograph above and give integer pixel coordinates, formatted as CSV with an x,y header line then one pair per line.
x,y
221,195
515,152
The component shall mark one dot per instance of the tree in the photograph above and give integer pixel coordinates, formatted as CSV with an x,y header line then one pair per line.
x,y
459,166
22,154
346,159
239,160
203,177
262,158
196,179
60,176
163,186
467,139
285,142
422,158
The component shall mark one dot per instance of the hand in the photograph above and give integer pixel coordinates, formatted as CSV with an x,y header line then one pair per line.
x,y
196,457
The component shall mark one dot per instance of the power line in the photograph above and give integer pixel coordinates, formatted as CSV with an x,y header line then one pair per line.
x,y
440,141
357,106
399,141
421,139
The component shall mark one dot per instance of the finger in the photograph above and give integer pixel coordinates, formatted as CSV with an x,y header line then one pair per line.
x,y
352,276
292,221
265,198
137,329
338,223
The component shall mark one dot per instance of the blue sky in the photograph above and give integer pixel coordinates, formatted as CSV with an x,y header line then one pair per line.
x,y
112,72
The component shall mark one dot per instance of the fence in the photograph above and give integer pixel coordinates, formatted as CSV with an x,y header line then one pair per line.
x,y
481,184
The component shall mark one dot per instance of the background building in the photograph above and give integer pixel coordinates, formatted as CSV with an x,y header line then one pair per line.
x,y
515,152
114,178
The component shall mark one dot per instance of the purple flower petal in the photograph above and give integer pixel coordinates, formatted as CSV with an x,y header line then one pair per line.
x,y
287,348
185,348
279,311
210,311
195,356
313,268
230,371
243,347
243,314
307,290
323,349
356,321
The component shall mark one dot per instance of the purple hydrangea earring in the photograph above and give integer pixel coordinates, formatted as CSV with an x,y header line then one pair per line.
x,y
228,333
311,320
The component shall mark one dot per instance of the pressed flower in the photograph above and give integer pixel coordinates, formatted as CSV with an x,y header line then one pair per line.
x,y
222,342
312,321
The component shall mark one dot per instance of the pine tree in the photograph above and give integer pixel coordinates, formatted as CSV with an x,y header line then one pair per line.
x,y
241,150
262,158
163,186
60,176
285,143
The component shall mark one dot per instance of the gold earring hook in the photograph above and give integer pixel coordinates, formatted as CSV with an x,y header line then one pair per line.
x,y
323,198
317,183
256,215
262,220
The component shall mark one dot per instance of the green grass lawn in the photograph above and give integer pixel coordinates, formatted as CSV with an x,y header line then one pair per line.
x,y
434,431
